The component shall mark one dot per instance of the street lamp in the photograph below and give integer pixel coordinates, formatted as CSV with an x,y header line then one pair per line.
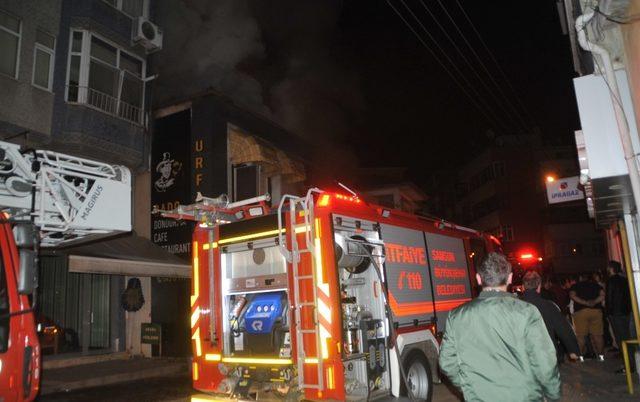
x,y
550,178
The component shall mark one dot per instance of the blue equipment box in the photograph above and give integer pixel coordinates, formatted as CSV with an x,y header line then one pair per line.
x,y
263,311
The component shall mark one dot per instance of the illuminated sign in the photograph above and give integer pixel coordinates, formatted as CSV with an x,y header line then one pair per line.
x,y
564,190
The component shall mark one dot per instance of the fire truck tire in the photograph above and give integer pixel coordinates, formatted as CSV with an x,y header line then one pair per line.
x,y
418,373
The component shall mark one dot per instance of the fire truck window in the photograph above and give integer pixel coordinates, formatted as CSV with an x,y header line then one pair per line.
x,y
264,261
4,311
478,251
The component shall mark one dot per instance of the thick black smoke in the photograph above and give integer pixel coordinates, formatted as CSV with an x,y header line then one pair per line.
x,y
204,41
279,58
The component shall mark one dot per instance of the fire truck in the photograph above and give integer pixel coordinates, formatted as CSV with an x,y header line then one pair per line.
x,y
326,298
47,199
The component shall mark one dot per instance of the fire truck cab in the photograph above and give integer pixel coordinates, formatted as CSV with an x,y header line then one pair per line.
x,y
329,298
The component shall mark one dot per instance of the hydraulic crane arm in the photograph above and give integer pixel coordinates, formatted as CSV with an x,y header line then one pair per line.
x,y
68,198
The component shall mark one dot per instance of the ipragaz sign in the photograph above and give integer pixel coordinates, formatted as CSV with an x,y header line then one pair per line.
x,y
564,190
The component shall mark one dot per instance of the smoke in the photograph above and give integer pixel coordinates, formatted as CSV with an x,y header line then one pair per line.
x,y
315,95
280,58
204,41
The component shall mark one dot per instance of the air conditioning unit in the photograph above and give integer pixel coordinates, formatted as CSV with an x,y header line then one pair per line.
x,y
147,34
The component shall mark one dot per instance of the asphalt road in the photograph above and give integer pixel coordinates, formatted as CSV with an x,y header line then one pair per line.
x,y
589,381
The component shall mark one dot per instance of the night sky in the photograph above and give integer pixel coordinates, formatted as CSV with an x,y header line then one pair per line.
x,y
416,115
350,78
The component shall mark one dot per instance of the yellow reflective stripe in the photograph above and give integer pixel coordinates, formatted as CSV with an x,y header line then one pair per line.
x,y
297,230
250,236
324,310
250,360
196,337
324,338
213,357
331,384
196,274
194,317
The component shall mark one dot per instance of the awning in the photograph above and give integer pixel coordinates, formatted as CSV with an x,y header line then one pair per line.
x,y
126,255
246,148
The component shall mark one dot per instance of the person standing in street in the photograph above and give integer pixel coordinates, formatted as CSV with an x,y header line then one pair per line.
x,y
496,347
587,298
618,305
560,331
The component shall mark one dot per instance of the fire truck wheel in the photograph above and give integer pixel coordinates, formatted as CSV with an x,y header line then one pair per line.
x,y
418,372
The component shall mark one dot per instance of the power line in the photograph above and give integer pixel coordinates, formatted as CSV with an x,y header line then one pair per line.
x,y
475,71
618,19
495,61
489,116
452,62
483,65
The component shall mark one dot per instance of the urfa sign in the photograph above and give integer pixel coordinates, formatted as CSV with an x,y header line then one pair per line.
x,y
564,190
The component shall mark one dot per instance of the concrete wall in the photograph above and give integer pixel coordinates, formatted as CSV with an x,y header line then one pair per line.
x,y
590,255
142,205
23,106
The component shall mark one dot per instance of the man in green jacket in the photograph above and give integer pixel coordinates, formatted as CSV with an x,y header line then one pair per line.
x,y
496,347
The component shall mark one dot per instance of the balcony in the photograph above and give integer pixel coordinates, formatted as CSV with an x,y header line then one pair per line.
x,y
105,103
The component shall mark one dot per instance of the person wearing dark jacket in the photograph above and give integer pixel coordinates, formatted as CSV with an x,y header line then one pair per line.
x,y
618,304
558,327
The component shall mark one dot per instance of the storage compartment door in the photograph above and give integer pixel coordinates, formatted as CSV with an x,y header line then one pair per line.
x,y
449,274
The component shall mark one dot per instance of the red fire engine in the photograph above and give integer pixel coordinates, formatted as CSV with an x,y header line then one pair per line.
x,y
46,199
329,298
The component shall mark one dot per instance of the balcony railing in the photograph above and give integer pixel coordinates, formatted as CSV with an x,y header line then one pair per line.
x,y
105,103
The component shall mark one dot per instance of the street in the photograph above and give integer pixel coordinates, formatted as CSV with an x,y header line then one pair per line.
x,y
589,381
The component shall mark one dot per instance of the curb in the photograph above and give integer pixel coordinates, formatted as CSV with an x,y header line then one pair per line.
x,y
49,364
111,379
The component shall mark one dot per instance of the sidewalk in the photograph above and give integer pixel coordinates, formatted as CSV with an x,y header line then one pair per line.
x,y
109,372
591,381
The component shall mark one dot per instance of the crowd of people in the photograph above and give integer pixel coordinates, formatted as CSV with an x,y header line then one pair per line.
x,y
598,308
505,347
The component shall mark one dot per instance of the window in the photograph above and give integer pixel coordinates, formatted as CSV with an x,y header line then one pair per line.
x,y
503,232
43,60
386,200
10,30
133,8
246,181
106,77
507,233
489,173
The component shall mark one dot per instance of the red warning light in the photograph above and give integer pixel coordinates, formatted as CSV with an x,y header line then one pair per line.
x,y
528,256
325,198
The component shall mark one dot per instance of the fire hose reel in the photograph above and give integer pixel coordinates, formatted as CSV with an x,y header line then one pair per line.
x,y
353,253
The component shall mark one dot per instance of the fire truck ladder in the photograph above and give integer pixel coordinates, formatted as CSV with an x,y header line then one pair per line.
x,y
305,206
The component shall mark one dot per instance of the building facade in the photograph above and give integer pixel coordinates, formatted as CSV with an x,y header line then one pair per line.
x,y
73,79
607,60
502,192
